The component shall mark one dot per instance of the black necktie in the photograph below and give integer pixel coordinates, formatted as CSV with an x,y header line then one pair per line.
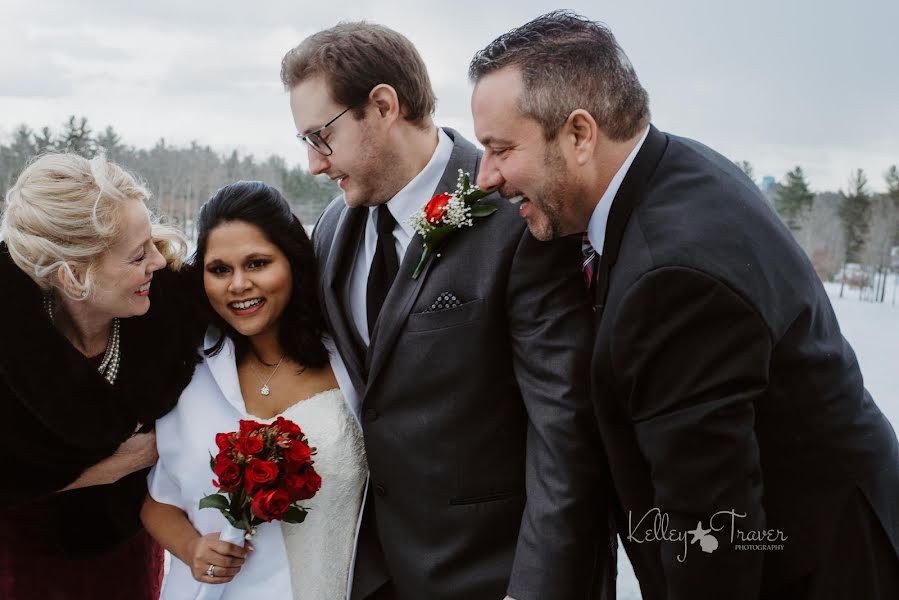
x,y
384,267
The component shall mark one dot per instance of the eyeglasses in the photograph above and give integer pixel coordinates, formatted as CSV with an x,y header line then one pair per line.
x,y
314,139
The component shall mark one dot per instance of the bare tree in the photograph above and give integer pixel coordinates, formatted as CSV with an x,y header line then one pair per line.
x,y
883,220
821,234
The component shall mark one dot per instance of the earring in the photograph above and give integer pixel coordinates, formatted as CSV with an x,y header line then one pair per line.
x,y
84,293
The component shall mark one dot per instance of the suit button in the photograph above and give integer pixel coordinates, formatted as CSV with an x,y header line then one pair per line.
x,y
380,489
369,415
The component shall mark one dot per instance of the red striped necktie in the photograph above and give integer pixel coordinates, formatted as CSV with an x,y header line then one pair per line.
x,y
590,258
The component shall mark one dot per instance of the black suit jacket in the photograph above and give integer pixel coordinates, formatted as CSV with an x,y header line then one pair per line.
x,y
722,383
478,426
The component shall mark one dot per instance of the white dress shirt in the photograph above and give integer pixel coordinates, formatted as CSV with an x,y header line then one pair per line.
x,y
411,198
596,229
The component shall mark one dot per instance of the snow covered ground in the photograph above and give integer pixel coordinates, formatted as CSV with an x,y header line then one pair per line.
x,y
873,331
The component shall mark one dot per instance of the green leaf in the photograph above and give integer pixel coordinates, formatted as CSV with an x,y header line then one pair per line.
x,y
438,235
476,195
295,514
482,210
421,263
466,182
215,501
231,520
211,461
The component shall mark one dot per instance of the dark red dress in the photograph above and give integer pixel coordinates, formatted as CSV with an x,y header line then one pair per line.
x,y
38,564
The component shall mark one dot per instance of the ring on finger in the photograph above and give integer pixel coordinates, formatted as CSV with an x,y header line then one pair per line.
x,y
210,570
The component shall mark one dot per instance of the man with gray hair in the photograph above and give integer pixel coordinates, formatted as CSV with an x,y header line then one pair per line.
x,y
747,457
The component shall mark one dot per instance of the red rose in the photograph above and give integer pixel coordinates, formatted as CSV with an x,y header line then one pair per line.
x,y
260,473
226,455
287,426
271,505
435,209
223,441
298,453
248,427
304,484
228,473
249,446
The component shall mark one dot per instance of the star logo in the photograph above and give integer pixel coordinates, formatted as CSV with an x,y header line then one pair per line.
x,y
707,542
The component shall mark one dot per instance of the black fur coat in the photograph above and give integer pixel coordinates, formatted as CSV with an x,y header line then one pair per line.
x,y
59,416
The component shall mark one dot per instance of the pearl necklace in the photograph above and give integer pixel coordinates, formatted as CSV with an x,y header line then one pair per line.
x,y
112,358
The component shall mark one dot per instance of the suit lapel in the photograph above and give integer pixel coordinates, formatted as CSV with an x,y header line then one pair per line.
x,y
629,195
405,290
336,291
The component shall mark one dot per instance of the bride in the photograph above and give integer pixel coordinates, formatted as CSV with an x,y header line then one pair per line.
x,y
265,356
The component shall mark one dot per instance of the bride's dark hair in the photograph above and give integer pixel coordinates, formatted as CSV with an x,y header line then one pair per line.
x,y
301,324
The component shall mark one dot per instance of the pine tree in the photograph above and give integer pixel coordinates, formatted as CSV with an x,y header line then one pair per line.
x,y
43,141
22,150
76,137
892,179
14,157
854,209
111,143
747,169
792,198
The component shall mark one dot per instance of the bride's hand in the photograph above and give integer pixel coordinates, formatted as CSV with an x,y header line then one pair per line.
x,y
226,559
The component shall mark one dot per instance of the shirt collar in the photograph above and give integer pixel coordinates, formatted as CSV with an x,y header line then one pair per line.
x,y
417,192
596,230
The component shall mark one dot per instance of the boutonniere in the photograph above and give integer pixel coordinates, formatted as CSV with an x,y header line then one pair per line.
x,y
445,213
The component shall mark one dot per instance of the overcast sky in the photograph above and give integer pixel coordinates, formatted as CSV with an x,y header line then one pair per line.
x,y
777,83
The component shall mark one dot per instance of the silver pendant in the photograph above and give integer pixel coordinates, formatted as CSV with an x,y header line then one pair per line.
x,y
265,391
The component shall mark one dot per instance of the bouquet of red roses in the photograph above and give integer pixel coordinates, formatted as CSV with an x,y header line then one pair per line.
x,y
263,472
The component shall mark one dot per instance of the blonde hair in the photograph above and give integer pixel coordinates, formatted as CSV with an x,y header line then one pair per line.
x,y
63,211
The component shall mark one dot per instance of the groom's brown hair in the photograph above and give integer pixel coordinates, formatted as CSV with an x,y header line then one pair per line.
x,y
354,58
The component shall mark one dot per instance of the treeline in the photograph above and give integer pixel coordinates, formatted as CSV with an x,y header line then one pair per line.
x,y
180,178
851,236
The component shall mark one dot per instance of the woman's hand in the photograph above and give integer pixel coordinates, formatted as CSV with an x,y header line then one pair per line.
x,y
136,453
225,558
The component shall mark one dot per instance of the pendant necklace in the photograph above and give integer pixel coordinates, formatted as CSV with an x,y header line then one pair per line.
x,y
265,390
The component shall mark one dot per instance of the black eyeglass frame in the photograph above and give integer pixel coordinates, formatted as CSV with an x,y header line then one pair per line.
x,y
312,138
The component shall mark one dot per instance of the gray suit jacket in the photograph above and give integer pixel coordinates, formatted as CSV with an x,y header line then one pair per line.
x,y
484,457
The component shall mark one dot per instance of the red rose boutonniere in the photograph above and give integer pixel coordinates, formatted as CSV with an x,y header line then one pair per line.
x,y
445,213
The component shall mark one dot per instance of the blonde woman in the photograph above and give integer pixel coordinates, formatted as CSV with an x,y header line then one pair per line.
x,y
96,344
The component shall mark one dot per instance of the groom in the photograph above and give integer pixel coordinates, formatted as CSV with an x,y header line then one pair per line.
x,y
478,430
721,380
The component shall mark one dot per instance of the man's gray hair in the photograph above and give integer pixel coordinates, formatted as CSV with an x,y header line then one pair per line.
x,y
569,62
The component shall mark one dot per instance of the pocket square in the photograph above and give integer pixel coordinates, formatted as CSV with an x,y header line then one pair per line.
x,y
444,301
